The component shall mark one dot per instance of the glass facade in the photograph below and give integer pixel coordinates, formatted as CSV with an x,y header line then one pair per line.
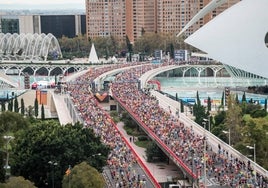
x,y
10,26
59,25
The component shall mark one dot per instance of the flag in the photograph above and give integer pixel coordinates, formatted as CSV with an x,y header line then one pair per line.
x,y
68,171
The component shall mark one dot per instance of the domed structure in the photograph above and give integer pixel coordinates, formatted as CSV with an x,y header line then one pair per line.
x,y
29,47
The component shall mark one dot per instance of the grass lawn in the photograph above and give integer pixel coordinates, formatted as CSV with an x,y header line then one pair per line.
x,y
142,144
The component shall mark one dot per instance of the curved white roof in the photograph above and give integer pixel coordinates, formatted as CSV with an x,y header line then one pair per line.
x,y
236,37
209,7
28,46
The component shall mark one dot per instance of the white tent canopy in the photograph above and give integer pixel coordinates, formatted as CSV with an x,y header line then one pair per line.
x,y
93,58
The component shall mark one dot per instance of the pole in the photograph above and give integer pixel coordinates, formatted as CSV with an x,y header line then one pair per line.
x,y
53,164
69,184
205,183
53,176
205,149
7,167
254,147
7,153
209,123
192,167
229,137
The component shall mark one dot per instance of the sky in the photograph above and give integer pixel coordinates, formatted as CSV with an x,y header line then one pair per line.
x,y
42,4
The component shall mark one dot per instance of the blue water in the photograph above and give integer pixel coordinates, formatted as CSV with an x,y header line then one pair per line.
x,y
186,88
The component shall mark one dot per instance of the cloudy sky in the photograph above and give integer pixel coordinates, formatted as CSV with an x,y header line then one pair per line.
x,y
42,4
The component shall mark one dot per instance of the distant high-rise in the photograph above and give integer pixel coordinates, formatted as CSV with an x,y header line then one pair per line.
x,y
131,18
59,25
9,24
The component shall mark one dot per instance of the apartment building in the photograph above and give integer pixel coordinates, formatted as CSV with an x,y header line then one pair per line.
x,y
131,18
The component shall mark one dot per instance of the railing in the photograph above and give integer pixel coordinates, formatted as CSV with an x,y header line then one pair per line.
x,y
212,139
142,165
149,174
77,118
167,150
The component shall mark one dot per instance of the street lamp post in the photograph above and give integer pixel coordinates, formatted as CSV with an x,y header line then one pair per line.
x,y
7,167
97,154
229,135
205,151
205,161
254,154
254,151
207,121
192,153
53,164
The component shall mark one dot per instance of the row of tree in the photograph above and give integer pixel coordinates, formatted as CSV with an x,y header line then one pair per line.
x,y
13,106
43,150
245,121
113,46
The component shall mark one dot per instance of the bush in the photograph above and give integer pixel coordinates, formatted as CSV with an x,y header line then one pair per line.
x,y
142,138
258,113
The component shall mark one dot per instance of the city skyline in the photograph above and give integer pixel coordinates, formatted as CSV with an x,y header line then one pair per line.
x,y
40,4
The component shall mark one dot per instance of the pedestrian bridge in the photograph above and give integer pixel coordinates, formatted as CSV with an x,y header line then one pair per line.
x,y
173,106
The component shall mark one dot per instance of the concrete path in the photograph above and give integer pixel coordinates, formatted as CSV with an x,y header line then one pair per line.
x,y
61,107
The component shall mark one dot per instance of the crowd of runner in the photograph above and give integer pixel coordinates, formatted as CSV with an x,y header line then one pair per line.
x,y
182,140
121,160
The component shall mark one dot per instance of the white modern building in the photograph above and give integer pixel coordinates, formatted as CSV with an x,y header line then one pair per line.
x,y
237,37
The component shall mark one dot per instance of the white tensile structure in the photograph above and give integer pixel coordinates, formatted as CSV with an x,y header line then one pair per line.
x,y
236,37
29,46
93,58
210,7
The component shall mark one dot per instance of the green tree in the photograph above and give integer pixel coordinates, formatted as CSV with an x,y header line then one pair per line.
x,y
83,176
19,181
42,112
63,145
10,105
236,98
265,104
16,105
209,105
30,111
22,108
222,99
244,99
199,110
182,106
3,106
198,99
2,163
254,131
12,122
129,47
154,152
36,108
233,121
171,50
142,31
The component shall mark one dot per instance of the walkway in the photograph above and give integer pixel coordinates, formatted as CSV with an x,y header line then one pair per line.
x,y
61,107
